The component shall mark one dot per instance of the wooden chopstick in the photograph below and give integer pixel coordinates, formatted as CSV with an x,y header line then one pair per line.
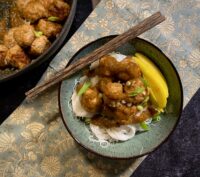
x,y
133,32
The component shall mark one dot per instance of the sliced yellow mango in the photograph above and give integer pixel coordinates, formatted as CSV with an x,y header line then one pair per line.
x,y
158,86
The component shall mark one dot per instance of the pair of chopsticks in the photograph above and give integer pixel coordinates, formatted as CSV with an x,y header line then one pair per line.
x,y
132,33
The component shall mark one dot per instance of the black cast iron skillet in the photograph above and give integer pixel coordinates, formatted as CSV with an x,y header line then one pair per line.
x,y
56,45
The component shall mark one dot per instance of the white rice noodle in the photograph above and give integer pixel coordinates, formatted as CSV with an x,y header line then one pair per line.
x,y
122,133
119,57
94,80
100,133
78,109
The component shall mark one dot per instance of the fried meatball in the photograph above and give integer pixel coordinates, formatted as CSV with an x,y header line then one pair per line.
x,y
16,57
47,3
128,69
107,66
59,9
3,51
39,45
114,90
102,83
34,11
48,28
21,4
24,35
9,40
135,85
91,100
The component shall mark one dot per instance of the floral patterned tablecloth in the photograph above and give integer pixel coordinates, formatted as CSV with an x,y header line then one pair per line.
x,y
33,139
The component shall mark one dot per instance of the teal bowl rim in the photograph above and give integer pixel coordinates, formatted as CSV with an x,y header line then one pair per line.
x,y
131,157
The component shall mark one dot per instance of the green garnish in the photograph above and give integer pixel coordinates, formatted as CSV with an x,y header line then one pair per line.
x,y
146,84
137,91
53,19
146,99
139,107
84,88
156,118
144,126
38,33
87,120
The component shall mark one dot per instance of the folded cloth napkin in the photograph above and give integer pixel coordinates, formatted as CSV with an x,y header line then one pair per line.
x,y
33,140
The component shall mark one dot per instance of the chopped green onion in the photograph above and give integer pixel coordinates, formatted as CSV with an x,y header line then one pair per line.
x,y
87,120
139,107
137,91
146,84
53,19
84,88
156,118
146,99
144,126
38,33
144,103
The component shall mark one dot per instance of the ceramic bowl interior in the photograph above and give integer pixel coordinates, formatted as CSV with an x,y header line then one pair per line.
x,y
142,143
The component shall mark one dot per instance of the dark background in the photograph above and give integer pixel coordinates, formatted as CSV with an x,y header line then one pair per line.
x,y
178,157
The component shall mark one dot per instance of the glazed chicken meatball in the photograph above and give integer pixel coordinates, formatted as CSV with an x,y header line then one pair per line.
x,y
3,51
58,8
91,100
9,40
107,66
39,45
48,28
46,3
21,4
135,85
24,35
34,11
114,90
16,57
128,69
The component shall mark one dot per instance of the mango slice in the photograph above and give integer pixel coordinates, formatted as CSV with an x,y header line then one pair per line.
x,y
157,83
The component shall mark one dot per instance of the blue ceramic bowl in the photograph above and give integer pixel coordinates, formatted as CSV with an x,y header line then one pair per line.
x,y
142,143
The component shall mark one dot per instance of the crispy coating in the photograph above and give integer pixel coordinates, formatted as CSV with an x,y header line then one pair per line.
x,y
34,10
21,4
24,35
9,40
58,8
128,69
48,28
102,83
107,66
135,84
91,100
39,45
16,57
114,90
3,51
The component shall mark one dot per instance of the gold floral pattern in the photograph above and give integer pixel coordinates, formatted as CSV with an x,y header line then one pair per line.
x,y
194,58
25,111
167,27
34,140
51,166
6,141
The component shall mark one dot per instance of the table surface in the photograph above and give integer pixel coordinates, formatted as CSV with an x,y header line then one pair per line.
x,y
179,155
